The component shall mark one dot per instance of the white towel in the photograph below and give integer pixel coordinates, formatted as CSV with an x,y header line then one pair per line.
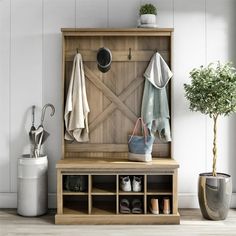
x,y
158,73
77,108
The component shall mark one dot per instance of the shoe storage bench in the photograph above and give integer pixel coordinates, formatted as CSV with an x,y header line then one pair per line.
x,y
99,203
115,100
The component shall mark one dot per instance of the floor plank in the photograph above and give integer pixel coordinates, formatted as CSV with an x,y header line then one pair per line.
x,y
192,223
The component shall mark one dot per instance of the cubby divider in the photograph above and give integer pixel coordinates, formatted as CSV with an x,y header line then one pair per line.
x,y
145,194
117,194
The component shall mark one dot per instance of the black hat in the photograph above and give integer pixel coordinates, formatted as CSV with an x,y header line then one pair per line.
x,y
104,58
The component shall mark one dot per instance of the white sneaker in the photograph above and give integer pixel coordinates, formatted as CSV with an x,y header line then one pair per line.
x,y
125,184
137,184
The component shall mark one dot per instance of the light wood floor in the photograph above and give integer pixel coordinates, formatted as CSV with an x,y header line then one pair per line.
x,y
191,224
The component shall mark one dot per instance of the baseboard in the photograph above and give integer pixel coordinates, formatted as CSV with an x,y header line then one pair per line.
x,y
186,200
9,200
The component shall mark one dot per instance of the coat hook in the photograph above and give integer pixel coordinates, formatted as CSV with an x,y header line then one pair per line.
x,y
77,50
129,56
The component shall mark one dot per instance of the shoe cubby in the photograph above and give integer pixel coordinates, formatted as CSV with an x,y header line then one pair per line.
x,y
75,204
103,205
161,199
103,185
159,184
131,184
129,204
75,184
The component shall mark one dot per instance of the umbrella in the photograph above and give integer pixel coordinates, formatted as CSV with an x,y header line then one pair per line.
x,y
38,135
42,134
31,134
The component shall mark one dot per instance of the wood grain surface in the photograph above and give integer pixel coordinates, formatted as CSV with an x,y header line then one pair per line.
x,y
115,97
191,223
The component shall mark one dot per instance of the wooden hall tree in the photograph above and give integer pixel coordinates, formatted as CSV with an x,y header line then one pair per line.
x,y
115,104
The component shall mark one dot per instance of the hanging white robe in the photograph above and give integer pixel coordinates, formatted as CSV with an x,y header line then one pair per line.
x,y
76,107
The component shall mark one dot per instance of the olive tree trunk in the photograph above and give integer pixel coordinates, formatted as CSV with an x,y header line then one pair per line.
x,y
214,145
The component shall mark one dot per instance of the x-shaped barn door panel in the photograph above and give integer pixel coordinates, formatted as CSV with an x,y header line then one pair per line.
x,y
117,102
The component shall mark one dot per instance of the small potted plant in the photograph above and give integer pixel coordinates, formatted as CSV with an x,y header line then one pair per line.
x,y
212,91
148,14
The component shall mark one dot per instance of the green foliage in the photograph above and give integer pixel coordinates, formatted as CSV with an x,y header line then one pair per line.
x,y
212,90
147,9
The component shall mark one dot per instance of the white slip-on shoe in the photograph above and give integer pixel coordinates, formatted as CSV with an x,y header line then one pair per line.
x,y
125,184
137,184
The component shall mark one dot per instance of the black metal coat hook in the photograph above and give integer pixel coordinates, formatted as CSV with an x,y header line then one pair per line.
x,y
129,56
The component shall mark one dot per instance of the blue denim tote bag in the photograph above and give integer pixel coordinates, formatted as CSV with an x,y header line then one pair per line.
x,y
141,145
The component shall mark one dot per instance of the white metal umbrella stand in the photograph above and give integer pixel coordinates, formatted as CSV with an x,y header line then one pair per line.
x,y
32,199
32,181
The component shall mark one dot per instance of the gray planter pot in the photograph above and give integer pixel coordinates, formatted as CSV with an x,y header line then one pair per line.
x,y
214,195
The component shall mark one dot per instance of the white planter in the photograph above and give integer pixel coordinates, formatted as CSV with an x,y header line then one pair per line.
x,y
32,186
148,19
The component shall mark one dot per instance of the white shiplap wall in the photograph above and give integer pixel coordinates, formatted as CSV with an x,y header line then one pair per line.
x,y
30,73
57,14
5,43
189,127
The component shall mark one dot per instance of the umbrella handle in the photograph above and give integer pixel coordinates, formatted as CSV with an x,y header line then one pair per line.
x,y
44,110
33,114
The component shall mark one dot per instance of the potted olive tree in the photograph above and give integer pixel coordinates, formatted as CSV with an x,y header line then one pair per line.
x,y
148,14
212,91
